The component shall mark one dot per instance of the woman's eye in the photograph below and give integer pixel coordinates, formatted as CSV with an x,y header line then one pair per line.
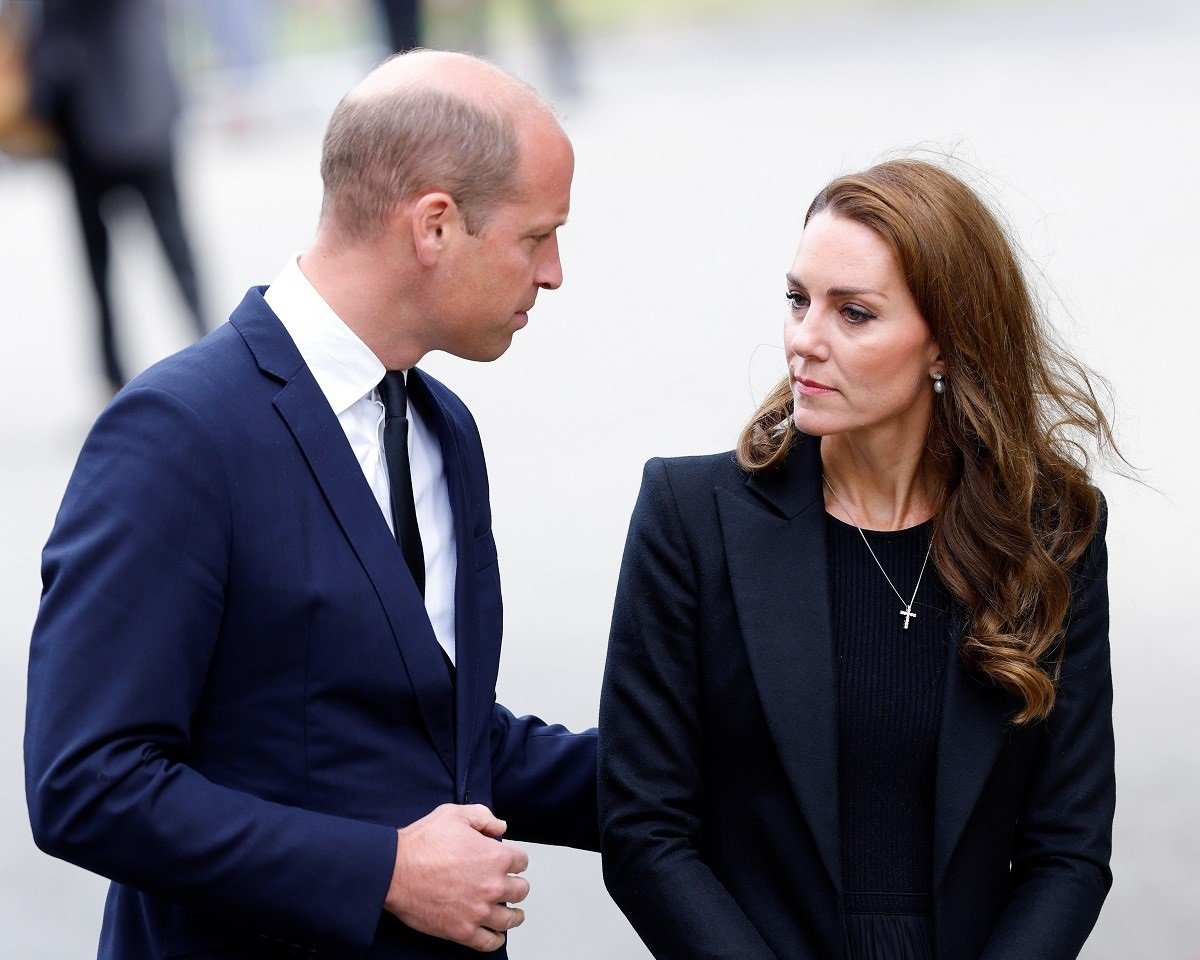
x,y
857,315
798,300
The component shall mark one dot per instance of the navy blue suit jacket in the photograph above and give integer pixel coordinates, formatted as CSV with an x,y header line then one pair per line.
x,y
718,747
235,693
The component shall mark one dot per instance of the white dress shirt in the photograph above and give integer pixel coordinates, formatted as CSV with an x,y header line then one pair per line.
x,y
348,374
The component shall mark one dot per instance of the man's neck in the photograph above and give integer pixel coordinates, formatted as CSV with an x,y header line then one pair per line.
x,y
367,299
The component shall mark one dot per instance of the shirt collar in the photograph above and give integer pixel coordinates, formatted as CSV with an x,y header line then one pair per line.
x,y
344,367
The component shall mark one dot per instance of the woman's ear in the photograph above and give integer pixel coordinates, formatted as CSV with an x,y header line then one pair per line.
x,y
936,365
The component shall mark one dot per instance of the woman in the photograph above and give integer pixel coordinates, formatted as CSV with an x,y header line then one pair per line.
x,y
857,701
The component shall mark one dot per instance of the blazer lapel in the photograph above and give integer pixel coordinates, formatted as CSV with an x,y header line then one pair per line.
x,y
777,568
974,725
317,432
466,620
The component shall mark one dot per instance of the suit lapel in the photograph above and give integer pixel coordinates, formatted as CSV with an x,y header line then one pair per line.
x,y
320,438
466,620
778,572
974,725
775,548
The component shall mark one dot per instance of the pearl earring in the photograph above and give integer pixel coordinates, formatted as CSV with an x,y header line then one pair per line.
x,y
939,384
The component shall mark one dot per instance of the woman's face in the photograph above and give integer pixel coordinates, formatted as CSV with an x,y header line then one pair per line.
x,y
860,354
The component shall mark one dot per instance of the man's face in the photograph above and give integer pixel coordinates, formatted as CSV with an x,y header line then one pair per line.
x,y
492,279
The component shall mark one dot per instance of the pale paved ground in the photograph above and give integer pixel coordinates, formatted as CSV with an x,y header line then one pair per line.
x,y
698,150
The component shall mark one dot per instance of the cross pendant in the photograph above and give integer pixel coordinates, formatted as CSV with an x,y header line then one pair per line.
x,y
907,614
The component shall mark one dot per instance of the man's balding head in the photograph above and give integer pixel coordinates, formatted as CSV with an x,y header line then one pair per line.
x,y
426,121
470,78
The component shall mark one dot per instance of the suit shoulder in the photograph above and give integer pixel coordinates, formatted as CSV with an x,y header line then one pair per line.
x,y
694,476
210,372
704,467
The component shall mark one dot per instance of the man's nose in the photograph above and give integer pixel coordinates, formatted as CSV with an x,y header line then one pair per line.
x,y
549,273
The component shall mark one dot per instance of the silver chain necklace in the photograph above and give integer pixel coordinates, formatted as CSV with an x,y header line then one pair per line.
x,y
907,612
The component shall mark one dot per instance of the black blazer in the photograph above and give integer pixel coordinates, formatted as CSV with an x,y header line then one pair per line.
x,y
718,743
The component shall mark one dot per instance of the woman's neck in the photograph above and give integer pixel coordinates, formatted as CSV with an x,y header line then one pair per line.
x,y
878,483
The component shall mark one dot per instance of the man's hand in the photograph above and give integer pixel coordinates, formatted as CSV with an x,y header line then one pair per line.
x,y
453,880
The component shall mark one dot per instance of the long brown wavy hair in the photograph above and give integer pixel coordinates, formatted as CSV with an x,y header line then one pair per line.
x,y
1017,508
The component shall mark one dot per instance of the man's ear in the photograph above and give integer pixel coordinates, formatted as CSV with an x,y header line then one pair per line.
x,y
432,218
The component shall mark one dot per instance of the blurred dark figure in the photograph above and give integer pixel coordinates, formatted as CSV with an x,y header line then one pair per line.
x,y
553,34
101,77
403,21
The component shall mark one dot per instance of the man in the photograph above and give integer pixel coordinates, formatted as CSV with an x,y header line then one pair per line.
x,y
268,717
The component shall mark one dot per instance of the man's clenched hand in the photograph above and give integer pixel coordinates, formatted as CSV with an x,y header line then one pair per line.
x,y
453,880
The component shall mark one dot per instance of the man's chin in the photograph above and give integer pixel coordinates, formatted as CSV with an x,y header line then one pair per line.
x,y
484,353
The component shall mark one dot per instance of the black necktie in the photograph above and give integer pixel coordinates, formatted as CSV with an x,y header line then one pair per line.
x,y
395,452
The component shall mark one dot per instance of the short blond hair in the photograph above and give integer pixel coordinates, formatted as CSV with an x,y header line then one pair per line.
x,y
381,150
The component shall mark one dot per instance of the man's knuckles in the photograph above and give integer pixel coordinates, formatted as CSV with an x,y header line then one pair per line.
x,y
507,919
462,930
486,941
518,890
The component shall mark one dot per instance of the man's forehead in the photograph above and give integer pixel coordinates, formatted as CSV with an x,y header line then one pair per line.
x,y
545,175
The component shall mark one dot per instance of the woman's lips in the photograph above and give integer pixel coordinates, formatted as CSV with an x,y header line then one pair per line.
x,y
811,388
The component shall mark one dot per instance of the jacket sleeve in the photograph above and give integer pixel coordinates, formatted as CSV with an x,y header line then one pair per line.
x,y
544,781
133,576
1060,871
651,786
543,775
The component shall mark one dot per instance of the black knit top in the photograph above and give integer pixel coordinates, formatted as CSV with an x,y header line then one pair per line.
x,y
890,683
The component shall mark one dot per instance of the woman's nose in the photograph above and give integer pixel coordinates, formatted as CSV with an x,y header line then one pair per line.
x,y
805,336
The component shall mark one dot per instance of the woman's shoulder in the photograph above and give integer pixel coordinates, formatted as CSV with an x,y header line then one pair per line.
x,y
683,492
695,472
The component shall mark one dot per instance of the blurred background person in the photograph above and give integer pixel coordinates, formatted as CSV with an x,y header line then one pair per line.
x,y
402,18
242,33
858,700
21,134
477,19
102,78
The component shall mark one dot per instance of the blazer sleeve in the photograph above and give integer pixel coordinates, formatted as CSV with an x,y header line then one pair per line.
x,y
544,781
1060,863
543,775
651,785
133,580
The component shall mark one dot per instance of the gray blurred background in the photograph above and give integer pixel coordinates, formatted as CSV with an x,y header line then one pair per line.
x,y
702,129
